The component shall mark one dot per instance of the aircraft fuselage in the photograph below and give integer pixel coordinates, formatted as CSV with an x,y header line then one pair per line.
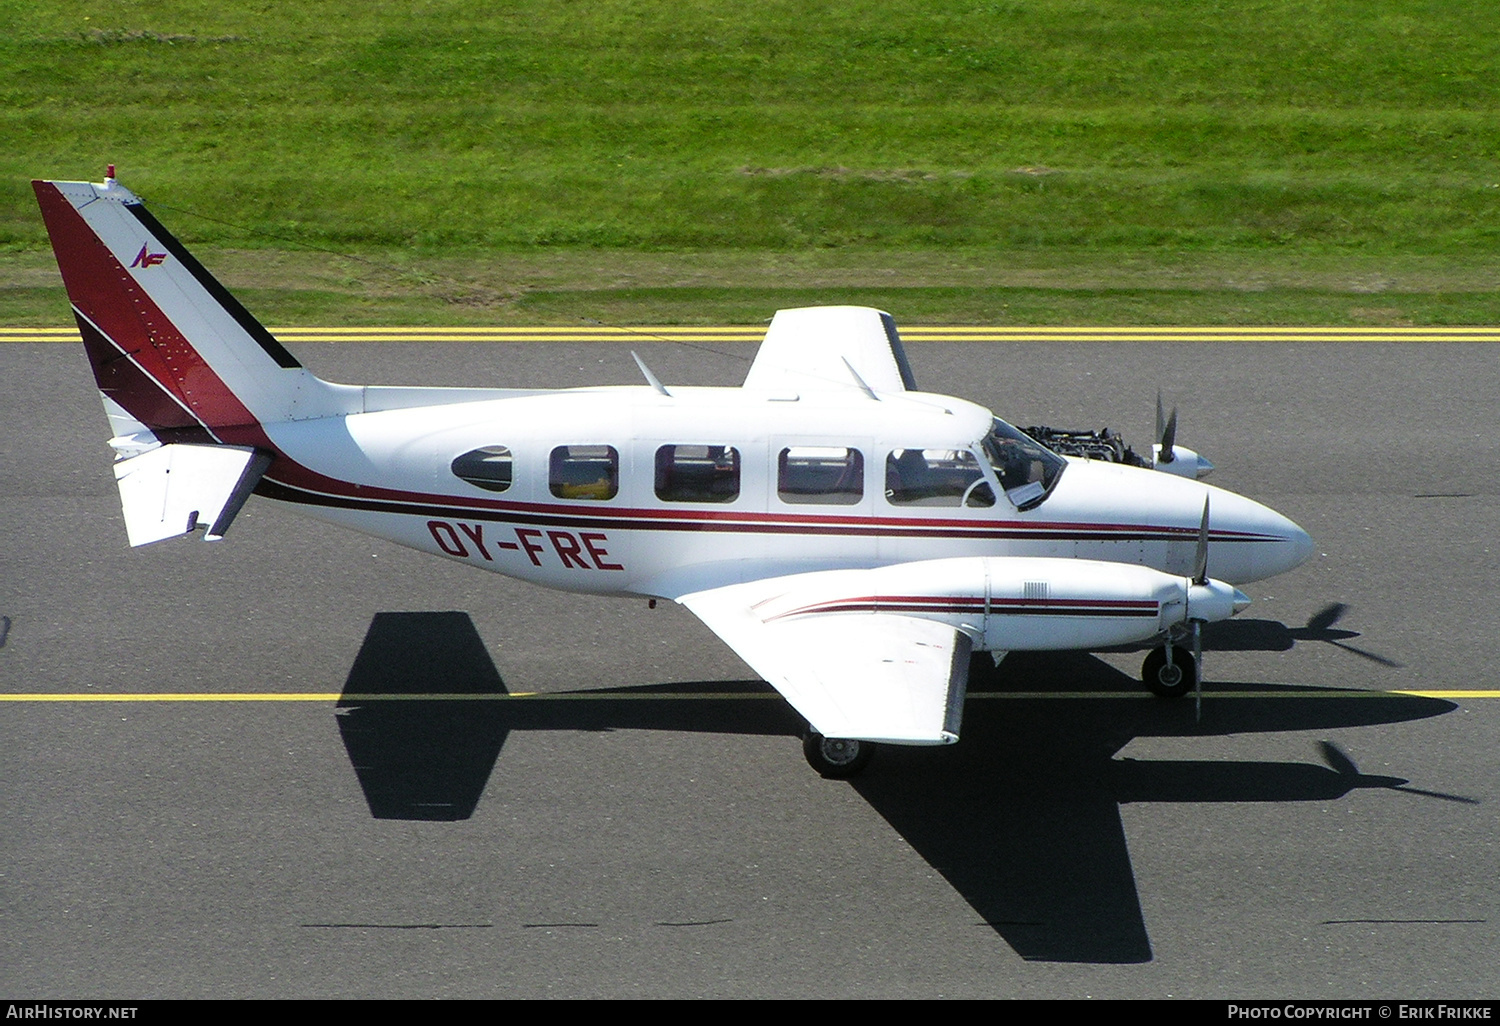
x,y
587,503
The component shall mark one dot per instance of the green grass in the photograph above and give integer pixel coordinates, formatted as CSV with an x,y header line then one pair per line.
x,y
1020,287
1051,133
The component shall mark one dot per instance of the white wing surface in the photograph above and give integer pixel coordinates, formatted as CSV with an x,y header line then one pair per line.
x,y
823,348
872,676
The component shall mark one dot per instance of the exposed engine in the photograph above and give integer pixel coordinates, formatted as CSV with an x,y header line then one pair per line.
x,y
1104,444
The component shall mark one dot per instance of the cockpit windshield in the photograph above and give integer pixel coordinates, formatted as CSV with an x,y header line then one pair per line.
x,y
1027,469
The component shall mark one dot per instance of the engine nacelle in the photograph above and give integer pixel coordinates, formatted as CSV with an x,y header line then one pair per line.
x,y
1015,603
1184,462
1213,601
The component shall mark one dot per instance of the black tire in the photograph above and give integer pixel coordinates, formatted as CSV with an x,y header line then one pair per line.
x,y
836,758
1155,673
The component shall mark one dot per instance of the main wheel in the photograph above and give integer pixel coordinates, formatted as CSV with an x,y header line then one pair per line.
x,y
836,758
1169,681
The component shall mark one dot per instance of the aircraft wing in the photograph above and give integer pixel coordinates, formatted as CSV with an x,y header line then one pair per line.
x,y
831,348
868,676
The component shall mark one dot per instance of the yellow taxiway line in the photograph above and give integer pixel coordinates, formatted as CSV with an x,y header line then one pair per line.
x,y
335,696
915,333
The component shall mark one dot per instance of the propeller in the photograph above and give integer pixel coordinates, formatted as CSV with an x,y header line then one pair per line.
x,y
1168,456
1200,576
1204,600
1200,557
1166,432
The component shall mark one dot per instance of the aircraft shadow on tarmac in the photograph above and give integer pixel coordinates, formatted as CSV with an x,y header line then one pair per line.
x,y
1022,817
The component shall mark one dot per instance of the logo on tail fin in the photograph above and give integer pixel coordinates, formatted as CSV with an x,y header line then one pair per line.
x,y
146,259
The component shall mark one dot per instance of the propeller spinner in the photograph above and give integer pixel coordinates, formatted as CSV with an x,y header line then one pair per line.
x,y
1169,457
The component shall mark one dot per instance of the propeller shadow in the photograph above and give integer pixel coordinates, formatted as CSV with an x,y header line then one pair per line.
x,y
1245,635
1022,818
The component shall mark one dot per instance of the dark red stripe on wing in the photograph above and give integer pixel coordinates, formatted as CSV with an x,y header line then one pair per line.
x,y
961,605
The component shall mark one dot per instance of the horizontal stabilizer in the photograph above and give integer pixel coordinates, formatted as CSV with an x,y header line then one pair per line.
x,y
175,489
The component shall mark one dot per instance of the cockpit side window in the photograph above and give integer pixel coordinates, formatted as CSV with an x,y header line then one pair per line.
x,y
821,474
1027,469
697,473
584,472
488,467
936,477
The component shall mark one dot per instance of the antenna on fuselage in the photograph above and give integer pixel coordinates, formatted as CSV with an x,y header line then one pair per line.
x,y
651,379
859,380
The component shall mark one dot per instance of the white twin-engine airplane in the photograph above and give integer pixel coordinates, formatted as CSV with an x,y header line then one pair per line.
x,y
853,539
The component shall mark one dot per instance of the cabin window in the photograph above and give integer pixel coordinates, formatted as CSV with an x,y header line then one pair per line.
x,y
697,473
830,475
936,477
584,472
488,467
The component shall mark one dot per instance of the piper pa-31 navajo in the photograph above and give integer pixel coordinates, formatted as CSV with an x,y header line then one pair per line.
x,y
852,538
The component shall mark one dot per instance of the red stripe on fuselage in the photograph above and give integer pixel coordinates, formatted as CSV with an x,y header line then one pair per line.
x,y
381,500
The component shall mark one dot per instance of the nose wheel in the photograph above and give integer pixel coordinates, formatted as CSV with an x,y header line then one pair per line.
x,y
1170,677
836,758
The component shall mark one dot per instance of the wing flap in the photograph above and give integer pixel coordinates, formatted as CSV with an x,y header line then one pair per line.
x,y
869,676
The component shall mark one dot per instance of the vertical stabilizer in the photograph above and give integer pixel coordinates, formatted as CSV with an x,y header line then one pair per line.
x,y
171,349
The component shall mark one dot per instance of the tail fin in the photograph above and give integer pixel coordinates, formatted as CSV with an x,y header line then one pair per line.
x,y
189,378
173,352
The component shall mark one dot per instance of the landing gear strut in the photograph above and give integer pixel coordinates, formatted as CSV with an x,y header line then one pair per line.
x,y
836,758
1170,677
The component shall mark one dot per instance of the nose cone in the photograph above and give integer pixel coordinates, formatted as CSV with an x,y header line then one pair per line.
x,y
1302,544
1252,541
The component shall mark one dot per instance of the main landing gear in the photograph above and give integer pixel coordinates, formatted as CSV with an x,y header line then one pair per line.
x,y
1170,671
836,758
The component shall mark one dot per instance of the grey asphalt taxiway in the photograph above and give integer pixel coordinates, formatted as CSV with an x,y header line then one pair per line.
x,y
637,819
